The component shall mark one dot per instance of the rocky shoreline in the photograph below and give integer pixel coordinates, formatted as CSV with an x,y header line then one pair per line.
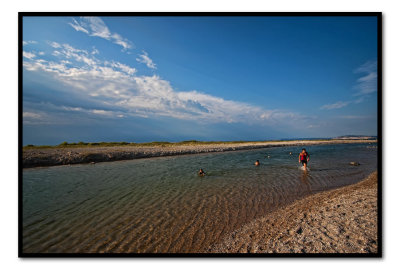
x,y
40,157
338,221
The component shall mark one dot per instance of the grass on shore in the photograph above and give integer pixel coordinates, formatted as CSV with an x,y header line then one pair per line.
x,y
161,144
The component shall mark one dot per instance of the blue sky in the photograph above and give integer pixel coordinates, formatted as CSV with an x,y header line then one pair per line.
x,y
205,78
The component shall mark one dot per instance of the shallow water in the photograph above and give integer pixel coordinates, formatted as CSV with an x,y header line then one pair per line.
x,y
161,205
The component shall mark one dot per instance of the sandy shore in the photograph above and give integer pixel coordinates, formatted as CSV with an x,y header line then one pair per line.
x,y
37,157
338,221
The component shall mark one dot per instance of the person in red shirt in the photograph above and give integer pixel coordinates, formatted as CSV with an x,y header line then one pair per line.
x,y
304,157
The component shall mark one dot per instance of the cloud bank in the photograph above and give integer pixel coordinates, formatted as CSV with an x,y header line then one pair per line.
x,y
117,85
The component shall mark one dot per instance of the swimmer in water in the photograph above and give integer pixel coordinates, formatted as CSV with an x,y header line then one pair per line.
x,y
257,163
201,172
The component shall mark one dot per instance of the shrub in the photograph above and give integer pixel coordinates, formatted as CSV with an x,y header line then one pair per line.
x,y
93,143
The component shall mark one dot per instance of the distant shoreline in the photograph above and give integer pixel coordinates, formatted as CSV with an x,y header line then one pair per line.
x,y
37,156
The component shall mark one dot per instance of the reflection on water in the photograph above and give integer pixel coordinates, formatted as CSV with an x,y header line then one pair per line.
x,y
304,181
161,205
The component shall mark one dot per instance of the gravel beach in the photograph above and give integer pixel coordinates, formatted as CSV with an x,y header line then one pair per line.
x,y
338,221
37,157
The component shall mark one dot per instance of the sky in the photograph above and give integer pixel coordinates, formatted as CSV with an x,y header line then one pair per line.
x,y
140,79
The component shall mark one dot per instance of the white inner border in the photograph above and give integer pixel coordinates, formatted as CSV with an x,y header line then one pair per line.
x,y
9,135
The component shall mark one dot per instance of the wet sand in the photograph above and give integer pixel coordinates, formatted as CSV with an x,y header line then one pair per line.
x,y
38,157
338,221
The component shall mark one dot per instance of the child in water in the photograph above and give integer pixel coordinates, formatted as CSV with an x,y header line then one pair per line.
x,y
257,163
304,157
201,172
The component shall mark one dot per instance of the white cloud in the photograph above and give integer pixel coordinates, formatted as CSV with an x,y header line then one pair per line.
x,y
101,112
71,109
27,42
28,55
355,116
125,68
145,59
98,27
95,26
69,52
78,27
359,100
313,126
368,83
54,45
35,118
31,115
115,85
95,51
336,105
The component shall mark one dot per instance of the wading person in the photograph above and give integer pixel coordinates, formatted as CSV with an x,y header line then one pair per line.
x,y
304,157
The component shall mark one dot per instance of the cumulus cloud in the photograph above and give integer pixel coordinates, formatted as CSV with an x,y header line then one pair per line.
x,y
116,85
28,55
95,26
145,59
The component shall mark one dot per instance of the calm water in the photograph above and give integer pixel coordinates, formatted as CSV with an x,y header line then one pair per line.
x,y
161,205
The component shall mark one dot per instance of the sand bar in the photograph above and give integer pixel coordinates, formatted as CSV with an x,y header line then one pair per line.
x,y
37,157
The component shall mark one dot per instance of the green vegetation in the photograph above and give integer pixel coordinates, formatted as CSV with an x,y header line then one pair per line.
x,y
133,144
